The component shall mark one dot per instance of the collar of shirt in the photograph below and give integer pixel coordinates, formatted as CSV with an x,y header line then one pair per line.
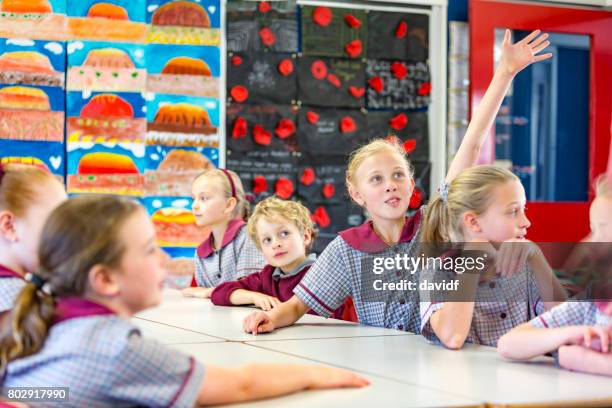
x,y
363,238
278,274
9,273
207,247
73,307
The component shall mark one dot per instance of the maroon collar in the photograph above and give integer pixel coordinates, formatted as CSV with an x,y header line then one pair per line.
x,y
9,273
363,238
73,307
207,247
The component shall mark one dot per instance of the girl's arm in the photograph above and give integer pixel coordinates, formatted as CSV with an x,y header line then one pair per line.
x,y
197,292
525,341
452,323
515,57
257,381
579,358
283,315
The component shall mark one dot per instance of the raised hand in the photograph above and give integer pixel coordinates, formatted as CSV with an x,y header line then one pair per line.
x,y
518,56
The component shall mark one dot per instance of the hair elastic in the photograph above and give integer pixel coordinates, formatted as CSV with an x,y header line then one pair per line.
x,y
443,191
40,283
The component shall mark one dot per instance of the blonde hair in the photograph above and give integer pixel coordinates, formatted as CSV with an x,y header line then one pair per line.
x,y
72,242
21,186
242,208
389,145
271,208
471,190
603,187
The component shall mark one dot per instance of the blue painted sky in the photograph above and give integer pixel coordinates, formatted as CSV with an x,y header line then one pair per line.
x,y
76,150
134,8
155,154
159,54
76,100
78,50
210,104
53,50
212,7
55,95
51,153
153,204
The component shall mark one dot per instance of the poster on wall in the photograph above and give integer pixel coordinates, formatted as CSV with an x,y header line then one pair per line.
x,y
184,22
110,20
174,222
34,19
47,156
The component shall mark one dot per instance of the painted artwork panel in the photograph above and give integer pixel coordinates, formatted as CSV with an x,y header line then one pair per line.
x,y
34,19
29,62
116,20
174,222
180,267
44,155
184,22
104,66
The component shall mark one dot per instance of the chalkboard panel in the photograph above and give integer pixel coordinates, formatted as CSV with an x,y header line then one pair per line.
x,y
323,184
397,85
331,82
410,127
262,78
330,219
401,36
422,174
328,132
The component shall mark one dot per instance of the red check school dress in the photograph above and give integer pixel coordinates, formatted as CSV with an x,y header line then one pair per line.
x,y
345,268
238,257
11,284
105,362
270,281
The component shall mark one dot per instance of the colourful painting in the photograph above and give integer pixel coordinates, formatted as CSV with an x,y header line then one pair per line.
x,y
171,170
183,70
35,19
182,120
180,267
105,117
184,22
28,62
103,66
108,168
31,113
119,20
174,223
44,155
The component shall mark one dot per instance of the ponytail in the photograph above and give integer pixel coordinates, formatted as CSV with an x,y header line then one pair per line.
x,y
435,228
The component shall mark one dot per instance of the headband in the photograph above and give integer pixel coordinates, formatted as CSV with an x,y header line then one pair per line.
x,y
2,173
231,181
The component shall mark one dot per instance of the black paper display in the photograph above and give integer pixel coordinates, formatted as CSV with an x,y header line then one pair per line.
x,y
323,184
334,32
262,78
330,219
331,82
410,127
399,36
397,85
330,132
422,174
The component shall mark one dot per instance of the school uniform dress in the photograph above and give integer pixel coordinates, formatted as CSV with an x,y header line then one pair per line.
x,y
500,305
105,362
572,313
345,268
238,257
11,284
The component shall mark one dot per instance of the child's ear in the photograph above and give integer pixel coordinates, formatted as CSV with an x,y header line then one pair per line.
x,y
7,226
355,195
102,281
231,203
470,222
307,238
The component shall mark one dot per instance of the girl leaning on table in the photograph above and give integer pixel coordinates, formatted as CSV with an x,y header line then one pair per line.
x,y
380,179
70,325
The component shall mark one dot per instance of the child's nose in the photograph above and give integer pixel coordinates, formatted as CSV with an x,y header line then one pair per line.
x,y
525,223
391,185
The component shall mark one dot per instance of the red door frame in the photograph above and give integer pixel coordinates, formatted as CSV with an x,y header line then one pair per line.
x,y
551,221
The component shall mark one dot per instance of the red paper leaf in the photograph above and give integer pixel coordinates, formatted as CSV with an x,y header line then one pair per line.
x,y
312,117
416,199
240,128
260,185
398,122
354,48
285,67
239,93
332,79
285,128
377,84
267,36
318,69
284,188
321,217
357,92
264,7
410,145
352,21
425,89
322,16
399,70
308,176
328,190
401,30
261,135
236,60
347,125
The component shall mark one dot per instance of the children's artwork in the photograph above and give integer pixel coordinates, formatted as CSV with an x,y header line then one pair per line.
x,y
180,267
331,82
264,25
48,156
261,78
28,62
170,171
410,127
331,218
105,117
183,70
108,168
400,36
261,127
334,32
31,113
322,184
174,222
397,85
35,19
182,121
184,22
422,175
102,66
330,132
116,20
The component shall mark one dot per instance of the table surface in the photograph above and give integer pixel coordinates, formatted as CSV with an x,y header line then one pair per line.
x,y
403,368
